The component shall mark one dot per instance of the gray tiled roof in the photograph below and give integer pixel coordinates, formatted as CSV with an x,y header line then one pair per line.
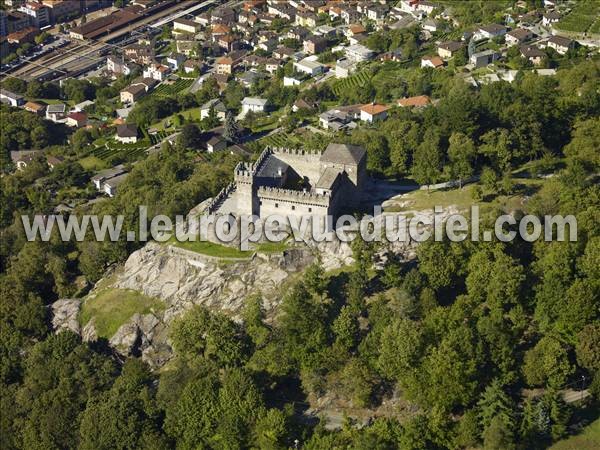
x,y
343,154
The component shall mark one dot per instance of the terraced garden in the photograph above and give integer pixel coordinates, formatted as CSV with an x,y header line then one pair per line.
x,y
353,82
583,18
281,140
157,137
178,87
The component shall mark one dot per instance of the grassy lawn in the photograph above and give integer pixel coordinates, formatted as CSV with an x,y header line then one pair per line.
x,y
111,308
588,439
190,115
211,249
92,163
421,200
271,247
463,198
51,101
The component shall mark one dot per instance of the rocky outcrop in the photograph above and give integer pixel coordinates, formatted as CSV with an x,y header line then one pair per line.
x,y
89,333
65,315
183,278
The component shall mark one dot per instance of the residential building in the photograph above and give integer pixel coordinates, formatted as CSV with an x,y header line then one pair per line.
x,y
111,185
56,113
11,98
215,144
482,59
309,66
158,72
304,104
306,19
425,6
36,108
373,112
314,45
175,60
133,93
193,64
39,14
377,11
224,15
449,49
344,68
139,53
429,25
358,53
434,62
22,36
272,65
224,65
354,29
216,105
127,134
118,66
490,31
340,118
102,176
185,26
77,120
257,105
550,17
561,44
518,36
61,10
16,21
532,54
418,101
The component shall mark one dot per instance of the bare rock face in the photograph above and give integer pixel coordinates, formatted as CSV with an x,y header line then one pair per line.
x,y
183,278
125,340
89,333
65,315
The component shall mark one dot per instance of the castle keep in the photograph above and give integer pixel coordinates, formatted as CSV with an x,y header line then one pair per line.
x,y
295,183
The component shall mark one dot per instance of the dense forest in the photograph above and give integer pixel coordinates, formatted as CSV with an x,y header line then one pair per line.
x,y
458,336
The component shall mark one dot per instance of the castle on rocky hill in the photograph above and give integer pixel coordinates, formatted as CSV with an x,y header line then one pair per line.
x,y
295,183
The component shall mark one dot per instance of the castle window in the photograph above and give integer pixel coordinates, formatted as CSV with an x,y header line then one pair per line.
x,y
260,202
276,205
309,209
293,207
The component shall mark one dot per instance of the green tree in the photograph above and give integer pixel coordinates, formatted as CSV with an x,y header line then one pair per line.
x,y
211,336
427,161
588,347
497,436
345,328
125,417
461,153
547,364
231,130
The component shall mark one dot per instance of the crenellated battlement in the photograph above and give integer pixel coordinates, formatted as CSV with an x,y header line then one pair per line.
x,y
218,199
295,151
293,195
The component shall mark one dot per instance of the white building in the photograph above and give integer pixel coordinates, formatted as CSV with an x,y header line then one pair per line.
x,y
490,31
257,105
310,66
215,104
344,68
127,134
11,98
359,53
56,113
157,72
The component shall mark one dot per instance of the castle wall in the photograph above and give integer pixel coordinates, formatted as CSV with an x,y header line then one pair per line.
x,y
291,203
305,163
